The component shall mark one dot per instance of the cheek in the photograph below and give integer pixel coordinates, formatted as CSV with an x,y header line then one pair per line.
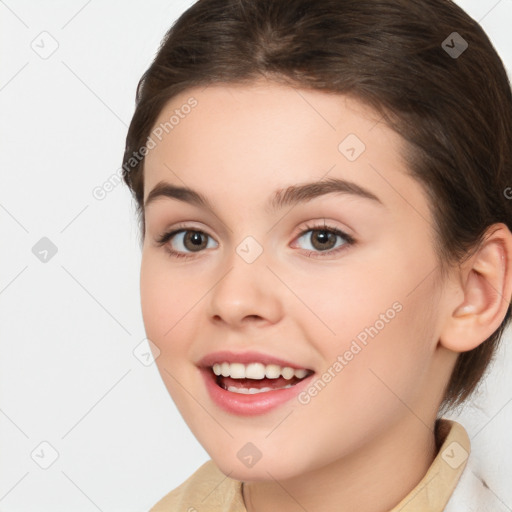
x,y
384,330
367,390
390,355
165,300
349,301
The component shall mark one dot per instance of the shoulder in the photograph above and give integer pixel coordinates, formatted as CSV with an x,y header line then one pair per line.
x,y
206,489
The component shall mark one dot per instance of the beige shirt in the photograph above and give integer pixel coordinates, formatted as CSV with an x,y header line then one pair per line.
x,y
209,490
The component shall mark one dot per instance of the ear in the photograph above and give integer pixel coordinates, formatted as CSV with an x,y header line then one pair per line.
x,y
486,282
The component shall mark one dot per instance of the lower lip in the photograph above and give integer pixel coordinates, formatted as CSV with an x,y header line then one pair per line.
x,y
249,405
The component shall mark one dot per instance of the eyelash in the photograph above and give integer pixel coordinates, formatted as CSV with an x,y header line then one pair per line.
x,y
163,239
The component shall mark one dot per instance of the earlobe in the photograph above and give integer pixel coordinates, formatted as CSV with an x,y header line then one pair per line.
x,y
487,286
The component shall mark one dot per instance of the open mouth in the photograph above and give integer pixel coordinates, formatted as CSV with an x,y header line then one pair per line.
x,y
256,378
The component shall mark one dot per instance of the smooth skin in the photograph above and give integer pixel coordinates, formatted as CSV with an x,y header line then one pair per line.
x,y
367,438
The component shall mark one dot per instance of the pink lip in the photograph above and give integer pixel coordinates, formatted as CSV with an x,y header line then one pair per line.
x,y
245,358
249,405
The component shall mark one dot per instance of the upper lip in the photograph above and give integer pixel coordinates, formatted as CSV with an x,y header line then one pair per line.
x,y
245,358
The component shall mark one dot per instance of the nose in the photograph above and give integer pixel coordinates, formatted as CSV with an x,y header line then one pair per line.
x,y
247,293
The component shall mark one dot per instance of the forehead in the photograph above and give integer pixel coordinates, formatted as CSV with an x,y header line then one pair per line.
x,y
248,140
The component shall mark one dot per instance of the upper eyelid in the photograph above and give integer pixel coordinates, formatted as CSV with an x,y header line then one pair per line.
x,y
309,227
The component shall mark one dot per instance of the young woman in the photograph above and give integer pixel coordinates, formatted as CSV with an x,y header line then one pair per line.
x,y
326,248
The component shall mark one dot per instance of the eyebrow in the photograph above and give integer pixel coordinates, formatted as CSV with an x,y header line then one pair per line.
x,y
292,195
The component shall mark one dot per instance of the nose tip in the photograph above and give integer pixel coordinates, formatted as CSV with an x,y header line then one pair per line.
x,y
243,296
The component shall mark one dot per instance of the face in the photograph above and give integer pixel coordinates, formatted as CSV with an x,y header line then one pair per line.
x,y
337,280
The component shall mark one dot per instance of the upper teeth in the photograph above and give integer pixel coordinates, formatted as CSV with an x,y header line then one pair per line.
x,y
257,371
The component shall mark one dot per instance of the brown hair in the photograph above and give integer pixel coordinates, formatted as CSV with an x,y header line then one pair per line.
x,y
397,56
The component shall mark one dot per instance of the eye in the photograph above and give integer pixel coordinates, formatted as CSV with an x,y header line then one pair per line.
x,y
184,240
323,239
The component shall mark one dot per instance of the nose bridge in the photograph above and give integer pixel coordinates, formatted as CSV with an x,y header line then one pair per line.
x,y
249,249
244,289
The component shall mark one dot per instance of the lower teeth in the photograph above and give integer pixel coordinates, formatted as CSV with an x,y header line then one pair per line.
x,y
253,391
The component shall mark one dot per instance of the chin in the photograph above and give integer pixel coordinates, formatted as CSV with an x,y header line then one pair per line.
x,y
264,470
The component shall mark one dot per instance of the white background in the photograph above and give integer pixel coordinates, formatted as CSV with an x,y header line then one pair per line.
x,y
68,374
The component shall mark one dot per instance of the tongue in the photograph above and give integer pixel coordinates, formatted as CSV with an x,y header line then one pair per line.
x,y
280,382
